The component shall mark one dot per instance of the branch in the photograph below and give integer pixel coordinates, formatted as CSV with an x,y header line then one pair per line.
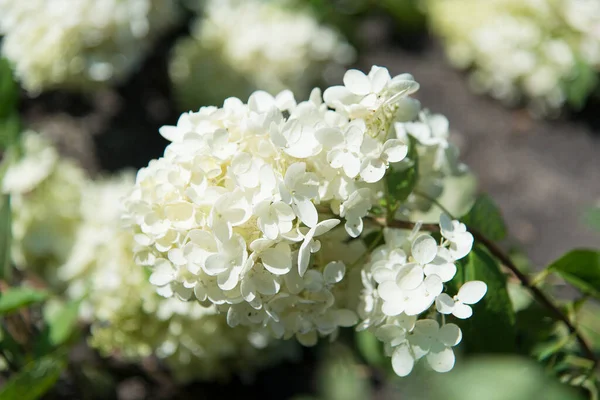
x,y
506,261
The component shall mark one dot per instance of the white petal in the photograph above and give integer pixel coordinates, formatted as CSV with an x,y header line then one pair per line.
x,y
444,304
390,291
395,150
471,292
379,78
354,227
325,226
278,260
393,308
462,311
390,333
334,272
445,271
450,335
308,339
402,361
345,318
424,249
446,225
171,133
228,279
337,93
357,82
306,211
162,274
372,170
410,277
216,264
442,361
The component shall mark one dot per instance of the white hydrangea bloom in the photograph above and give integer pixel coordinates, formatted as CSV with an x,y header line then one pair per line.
x,y
437,158
527,50
45,194
402,281
129,319
234,213
238,46
75,44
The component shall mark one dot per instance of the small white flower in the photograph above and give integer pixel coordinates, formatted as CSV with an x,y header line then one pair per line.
x,y
435,343
354,209
460,305
298,189
456,233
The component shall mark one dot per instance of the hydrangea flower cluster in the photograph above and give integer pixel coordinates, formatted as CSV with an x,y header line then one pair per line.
x,y
45,194
67,229
402,281
128,318
527,50
238,46
234,210
254,207
75,44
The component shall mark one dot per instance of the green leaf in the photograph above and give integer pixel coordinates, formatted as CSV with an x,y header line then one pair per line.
x,y
9,90
5,239
580,268
401,179
62,323
35,379
339,378
491,329
485,217
17,297
592,218
584,83
10,128
371,349
497,378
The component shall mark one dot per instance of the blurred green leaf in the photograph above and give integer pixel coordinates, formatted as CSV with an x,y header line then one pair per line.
x,y
492,327
339,377
534,325
5,239
592,218
35,379
580,268
10,128
17,297
9,90
62,323
370,348
486,218
498,378
401,182
584,83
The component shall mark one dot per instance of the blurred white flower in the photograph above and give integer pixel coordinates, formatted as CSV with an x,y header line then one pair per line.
x,y
523,51
76,44
239,46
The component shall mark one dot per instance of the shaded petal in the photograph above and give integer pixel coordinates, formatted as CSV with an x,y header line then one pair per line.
x,y
471,292
442,361
402,361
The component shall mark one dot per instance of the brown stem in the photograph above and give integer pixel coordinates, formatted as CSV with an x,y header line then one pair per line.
x,y
506,261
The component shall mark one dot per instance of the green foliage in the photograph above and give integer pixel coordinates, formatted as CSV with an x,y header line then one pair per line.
x,y
5,239
17,297
492,326
10,124
401,182
592,218
498,378
339,377
9,90
580,268
35,379
371,349
584,83
62,323
485,217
